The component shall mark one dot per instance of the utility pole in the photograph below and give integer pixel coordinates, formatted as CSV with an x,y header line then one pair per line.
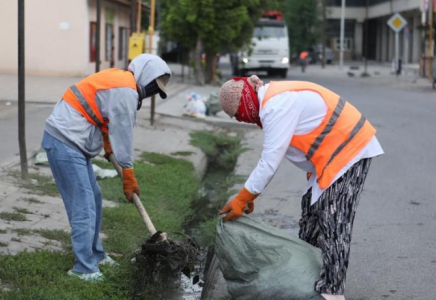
x,y
366,38
324,25
132,17
21,94
138,20
430,39
97,37
150,50
341,54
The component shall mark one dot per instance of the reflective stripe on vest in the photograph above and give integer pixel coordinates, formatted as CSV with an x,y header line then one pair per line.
x,y
86,106
82,96
342,134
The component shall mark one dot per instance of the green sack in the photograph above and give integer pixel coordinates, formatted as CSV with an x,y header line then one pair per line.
x,y
259,261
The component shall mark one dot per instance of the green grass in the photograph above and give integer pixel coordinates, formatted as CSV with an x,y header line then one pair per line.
x,y
22,210
3,244
43,276
55,234
32,200
14,216
22,231
168,188
39,184
3,231
221,150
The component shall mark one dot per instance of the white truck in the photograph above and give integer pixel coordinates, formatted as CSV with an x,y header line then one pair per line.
x,y
269,50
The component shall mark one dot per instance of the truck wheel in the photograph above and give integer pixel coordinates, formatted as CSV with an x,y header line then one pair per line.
x,y
283,73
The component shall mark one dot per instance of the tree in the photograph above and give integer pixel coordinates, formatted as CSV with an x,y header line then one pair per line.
x,y
209,26
302,18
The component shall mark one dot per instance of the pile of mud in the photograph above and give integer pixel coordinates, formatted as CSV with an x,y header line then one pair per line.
x,y
159,263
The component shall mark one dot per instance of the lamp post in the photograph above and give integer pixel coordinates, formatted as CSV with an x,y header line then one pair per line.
x,y
341,54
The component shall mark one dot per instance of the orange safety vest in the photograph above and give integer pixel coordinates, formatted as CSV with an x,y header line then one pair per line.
x,y
342,134
81,96
303,54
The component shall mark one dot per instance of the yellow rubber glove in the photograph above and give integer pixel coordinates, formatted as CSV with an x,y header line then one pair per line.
x,y
107,146
130,185
234,208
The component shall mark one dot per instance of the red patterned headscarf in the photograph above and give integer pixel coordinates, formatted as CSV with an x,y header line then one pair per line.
x,y
248,110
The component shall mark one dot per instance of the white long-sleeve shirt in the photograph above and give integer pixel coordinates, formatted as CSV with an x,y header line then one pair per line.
x,y
286,114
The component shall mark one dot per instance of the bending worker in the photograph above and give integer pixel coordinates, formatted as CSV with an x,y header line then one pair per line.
x,y
98,111
325,136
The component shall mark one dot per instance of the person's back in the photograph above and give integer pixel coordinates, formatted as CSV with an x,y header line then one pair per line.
x,y
303,60
115,94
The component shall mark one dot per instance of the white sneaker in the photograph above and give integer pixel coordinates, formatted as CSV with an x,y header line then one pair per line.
x,y
91,277
108,261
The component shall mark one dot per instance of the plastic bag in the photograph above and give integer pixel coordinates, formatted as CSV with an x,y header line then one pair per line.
x,y
259,261
195,107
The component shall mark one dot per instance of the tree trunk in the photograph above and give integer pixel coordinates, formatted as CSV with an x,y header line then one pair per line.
x,y
199,73
210,59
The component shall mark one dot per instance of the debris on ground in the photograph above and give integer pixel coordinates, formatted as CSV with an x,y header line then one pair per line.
x,y
160,262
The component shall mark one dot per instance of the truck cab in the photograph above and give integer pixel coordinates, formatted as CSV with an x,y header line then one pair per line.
x,y
269,50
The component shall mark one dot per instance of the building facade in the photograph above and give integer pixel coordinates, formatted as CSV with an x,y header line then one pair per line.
x,y
380,38
60,36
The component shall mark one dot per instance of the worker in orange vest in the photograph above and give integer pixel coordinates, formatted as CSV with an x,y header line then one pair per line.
x,y
303,60
325,136
97,112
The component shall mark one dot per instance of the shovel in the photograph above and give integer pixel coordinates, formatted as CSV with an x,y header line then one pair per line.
x,y
142,212
179,255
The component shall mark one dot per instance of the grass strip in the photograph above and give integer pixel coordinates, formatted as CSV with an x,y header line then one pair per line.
x,y
31,200
168,186
22,231
14,216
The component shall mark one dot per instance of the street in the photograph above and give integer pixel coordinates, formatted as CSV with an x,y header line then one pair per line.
x,y
393,250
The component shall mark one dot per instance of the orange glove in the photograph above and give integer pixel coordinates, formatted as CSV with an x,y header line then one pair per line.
x,y
107,146
130,185
234,208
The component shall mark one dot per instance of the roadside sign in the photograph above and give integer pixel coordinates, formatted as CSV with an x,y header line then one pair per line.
x,y
397,22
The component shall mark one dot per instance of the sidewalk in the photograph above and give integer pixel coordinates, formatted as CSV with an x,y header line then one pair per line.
x,y
378,73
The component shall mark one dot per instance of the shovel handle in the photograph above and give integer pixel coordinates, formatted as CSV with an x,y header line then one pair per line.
x,y
142,212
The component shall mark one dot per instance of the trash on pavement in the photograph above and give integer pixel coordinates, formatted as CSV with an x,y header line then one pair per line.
x,y
195,107
41,157
104,173
259,261
213,104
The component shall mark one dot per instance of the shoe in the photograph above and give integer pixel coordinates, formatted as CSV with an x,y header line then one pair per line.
x,y
91,277
108,261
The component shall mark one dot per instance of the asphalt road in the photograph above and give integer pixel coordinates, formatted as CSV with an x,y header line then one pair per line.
x,y
393,252
35,120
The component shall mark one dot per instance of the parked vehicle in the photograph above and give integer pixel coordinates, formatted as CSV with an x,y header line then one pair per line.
x,y
269,49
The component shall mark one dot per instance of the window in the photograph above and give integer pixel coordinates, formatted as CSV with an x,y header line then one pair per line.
x,y
348,44
109,42
92,41
122,43
269,31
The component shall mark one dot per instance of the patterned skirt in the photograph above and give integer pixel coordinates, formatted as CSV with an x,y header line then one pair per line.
x,y
328,225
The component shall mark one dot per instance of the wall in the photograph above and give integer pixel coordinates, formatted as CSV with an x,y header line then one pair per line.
x,y
54,37
121,18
